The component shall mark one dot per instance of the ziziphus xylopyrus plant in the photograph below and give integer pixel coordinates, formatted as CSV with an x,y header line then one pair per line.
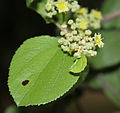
x,y
44,68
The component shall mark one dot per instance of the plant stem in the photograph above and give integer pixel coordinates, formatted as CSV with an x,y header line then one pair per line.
x,y
57,24
111,16
64,17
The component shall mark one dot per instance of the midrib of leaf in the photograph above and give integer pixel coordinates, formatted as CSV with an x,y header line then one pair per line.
x,y
58,75
38,76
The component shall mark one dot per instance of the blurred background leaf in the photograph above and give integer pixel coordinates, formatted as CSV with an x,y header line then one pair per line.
x,y
13,109
109,82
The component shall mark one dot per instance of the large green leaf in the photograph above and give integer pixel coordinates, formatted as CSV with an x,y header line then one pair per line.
x,y
39,72
110,6
110,54
79,65
39,7
110,83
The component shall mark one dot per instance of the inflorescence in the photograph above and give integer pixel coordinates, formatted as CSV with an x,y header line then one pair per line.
x,y
76,35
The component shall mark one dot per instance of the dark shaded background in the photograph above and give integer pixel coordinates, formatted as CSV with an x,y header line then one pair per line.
x,y
18,23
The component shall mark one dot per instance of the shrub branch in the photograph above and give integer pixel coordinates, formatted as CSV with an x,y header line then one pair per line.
x,y
111,16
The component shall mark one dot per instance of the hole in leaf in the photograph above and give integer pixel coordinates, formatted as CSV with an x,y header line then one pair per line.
x,y
25,82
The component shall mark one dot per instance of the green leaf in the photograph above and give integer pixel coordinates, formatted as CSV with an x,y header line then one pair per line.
x,y
109,83
108,7
39,7
39,72
110,54
79,65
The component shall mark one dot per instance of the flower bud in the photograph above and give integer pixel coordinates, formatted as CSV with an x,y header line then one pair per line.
x,y
65,48
64,26
70,22
77,54
88,32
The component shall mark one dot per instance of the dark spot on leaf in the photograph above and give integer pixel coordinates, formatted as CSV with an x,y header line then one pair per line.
x,y
25,82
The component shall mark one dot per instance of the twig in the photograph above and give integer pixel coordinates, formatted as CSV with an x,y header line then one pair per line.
x,y
57,24
111,16
64,18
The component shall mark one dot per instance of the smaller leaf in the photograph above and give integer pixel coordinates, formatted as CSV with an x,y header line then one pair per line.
x,y
79,65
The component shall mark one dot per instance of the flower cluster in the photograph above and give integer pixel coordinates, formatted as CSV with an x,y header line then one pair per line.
x,y
53,7
76,35
92,19
78,39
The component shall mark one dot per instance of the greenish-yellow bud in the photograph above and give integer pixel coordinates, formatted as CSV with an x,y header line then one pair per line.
x,y
70,22
88,32
77,55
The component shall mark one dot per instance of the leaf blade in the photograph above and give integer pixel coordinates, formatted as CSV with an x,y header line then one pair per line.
x,y
79,65
47,72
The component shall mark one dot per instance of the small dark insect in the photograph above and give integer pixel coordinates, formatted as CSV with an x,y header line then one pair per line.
x,y
25,82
